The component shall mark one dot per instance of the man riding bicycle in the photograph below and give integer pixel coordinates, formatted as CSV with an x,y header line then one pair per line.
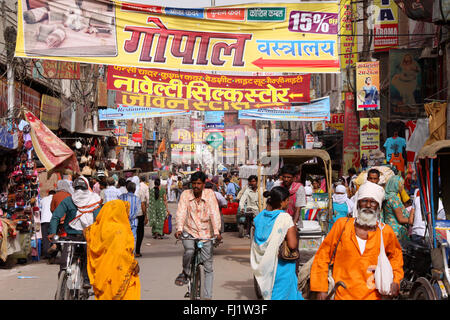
x,y
198,216
78,212
249,202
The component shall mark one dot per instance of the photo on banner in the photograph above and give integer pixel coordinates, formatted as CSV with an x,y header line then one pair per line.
x,y
270,37
368,86
405,75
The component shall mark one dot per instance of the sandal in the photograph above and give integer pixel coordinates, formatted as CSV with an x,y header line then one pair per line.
x,y
181,279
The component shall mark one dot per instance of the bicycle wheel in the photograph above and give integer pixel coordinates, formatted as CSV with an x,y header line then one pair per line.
x,y
197,283
62,291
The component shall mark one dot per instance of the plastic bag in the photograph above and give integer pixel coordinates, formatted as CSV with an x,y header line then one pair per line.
x,y
384,276
167,229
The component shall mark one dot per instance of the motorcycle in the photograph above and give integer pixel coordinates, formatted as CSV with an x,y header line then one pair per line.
x,y
244,220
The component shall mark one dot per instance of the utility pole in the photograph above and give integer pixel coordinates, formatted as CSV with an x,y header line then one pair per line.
x,y
9,34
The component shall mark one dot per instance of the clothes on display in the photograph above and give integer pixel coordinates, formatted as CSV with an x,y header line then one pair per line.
x,y
398,162
418,137
394,144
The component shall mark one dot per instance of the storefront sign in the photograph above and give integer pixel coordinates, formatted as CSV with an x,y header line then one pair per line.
x,y
317,110
129,112
51,111
275,37
369,136
386,25
51,69
349,42
123,141
368,85
208,87
336,122
351,133
139,100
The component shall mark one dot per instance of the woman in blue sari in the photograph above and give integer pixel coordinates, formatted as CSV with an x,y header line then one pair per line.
x,y
276,278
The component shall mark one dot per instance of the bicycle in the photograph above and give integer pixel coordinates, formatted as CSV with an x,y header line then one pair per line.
x,y
70,279
197,275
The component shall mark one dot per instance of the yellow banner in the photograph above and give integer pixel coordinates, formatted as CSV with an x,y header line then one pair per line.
x,y
298,37
369,136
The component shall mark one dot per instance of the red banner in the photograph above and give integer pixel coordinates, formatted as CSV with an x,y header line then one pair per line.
x,y
209,87
351,133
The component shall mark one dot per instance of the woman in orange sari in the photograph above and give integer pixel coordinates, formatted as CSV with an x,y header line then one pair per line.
x,y
112,268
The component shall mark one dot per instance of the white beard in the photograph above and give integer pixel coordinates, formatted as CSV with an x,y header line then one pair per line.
x,y
367,217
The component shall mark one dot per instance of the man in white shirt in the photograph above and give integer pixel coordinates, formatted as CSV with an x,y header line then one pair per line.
x,y
46,216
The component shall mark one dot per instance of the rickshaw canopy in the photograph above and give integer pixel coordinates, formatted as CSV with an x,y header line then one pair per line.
x,y
432,150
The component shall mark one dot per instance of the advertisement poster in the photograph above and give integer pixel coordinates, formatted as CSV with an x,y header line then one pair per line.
x,y
369,136
368,86
351,133
317,110
138,87
127,112
386,25
405,75
252,37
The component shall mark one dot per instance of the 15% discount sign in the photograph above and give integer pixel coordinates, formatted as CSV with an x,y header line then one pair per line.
x,y
313,22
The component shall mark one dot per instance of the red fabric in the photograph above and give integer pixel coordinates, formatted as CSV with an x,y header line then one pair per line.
x,y
293,197
231,209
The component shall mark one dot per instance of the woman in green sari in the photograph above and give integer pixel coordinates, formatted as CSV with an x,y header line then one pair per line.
x,y
157,209
394,212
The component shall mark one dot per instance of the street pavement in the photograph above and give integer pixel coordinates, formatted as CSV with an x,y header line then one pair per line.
x,y
159,265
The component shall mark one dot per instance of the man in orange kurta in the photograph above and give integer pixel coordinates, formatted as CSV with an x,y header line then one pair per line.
x,y
354,268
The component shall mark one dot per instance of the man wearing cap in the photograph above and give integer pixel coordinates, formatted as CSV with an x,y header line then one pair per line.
x,y
357,251
111,192
79,210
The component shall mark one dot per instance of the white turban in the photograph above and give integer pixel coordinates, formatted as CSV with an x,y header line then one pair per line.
x,y
369,190
340,189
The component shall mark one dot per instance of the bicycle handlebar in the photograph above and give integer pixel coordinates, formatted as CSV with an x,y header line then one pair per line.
x,y
200,239
58,239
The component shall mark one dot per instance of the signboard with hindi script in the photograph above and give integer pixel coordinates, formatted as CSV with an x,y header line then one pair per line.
x,y
297,37
200,91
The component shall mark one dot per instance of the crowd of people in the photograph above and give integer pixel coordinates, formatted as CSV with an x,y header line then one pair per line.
x,y
363,215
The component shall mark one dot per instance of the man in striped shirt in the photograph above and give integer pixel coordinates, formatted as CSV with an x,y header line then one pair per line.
x,y
135,206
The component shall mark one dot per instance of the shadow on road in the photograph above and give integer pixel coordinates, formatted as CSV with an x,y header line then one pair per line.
x,y
243,289
241,260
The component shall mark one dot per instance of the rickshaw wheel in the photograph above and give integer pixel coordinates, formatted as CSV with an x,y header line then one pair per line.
x,y
423,291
